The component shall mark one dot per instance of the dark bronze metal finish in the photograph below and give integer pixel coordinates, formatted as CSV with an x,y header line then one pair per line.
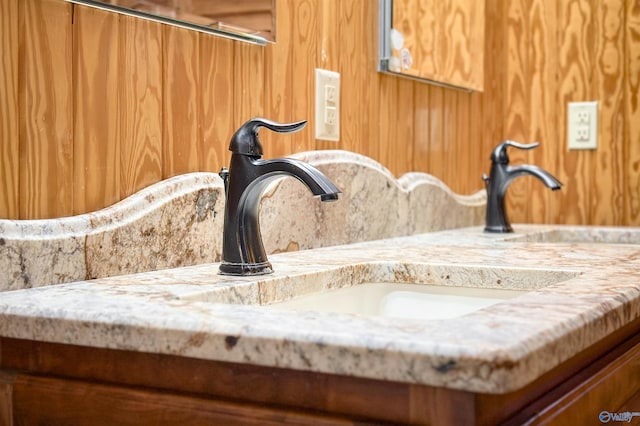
x,y
499,179
248,175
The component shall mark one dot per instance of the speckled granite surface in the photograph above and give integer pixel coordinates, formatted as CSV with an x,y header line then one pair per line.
x,y
179,222
175,222
580,293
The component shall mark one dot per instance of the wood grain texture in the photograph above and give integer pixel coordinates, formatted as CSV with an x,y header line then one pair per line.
x,y
329,44
179,97
248,89
575,64
607,205
214,95
360,84
445,40
43,376
632,113
422,122
278,82
6,398
46,107
57,401
606,385
437,123
542,118
181,142
140,103
9,142
96,149
518,98
304,45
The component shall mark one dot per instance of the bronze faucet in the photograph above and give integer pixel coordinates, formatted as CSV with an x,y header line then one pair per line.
x,y
242,249
499,179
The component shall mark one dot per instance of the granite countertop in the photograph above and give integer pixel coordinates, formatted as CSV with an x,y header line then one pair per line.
x,y
194,312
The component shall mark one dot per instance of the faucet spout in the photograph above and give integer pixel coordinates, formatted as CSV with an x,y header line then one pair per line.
x,y
243,252
526,169
500,178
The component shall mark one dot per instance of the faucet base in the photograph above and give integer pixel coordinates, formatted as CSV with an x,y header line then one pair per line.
x,y
227,268
498,228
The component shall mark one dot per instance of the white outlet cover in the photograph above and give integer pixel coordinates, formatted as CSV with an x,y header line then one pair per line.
x,y
327,105
582,125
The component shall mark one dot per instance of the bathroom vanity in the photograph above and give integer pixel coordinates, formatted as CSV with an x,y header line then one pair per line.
x,y
188,345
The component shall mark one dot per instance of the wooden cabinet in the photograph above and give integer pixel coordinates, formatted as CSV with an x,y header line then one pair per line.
x,y
438,41
62,384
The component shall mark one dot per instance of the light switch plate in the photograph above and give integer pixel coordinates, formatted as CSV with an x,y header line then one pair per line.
x,y
582,125
327,123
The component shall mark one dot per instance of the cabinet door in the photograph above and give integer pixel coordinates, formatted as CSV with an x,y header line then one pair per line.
x,y
441,41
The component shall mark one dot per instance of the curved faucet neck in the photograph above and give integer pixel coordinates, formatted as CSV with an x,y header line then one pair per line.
x,y
243,252
500,178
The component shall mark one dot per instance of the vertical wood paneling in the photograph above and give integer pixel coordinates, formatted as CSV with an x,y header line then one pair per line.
x,y
405,136
328,53
542,203
364,31
436,132
632,113
248,90
517,97
96,142
360,84
89,119
463,149
278,83
576,42
449,138
492,117
607,205
422,121
46,107
304,45
474,144
140,103
9,142
216,95
397,123
181,143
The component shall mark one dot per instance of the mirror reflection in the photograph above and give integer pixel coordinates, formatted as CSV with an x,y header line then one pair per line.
x,y
441,42
246,20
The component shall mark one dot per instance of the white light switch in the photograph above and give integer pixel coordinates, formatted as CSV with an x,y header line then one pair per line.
x,y
582,125
327,121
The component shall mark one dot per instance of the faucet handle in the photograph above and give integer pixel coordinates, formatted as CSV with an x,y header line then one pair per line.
x,y
499,154
521,145
246,142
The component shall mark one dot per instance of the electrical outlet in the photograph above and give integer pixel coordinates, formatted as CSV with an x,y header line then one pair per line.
x,y
330,116
583,116
582,133
582,126
327,122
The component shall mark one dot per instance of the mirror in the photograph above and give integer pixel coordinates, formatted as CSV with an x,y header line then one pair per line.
x,y
439,42
245,20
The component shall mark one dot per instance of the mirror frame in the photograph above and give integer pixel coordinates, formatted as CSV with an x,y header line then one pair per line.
x,y
385,24
231,34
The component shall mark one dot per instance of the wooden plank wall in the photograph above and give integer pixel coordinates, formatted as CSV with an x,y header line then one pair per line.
x,y
95,106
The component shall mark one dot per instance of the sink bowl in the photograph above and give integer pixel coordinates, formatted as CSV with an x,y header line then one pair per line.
x,y
398,300
396,289
598,235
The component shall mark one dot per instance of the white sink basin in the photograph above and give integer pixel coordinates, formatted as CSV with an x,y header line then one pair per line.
x,y
426,302
392,289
